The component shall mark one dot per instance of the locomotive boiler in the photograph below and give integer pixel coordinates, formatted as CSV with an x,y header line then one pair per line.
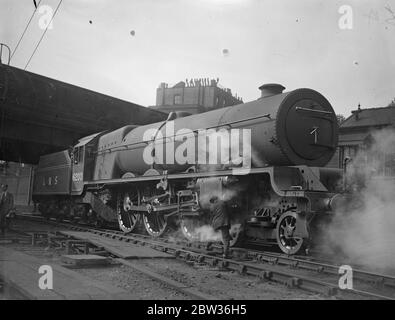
x,y
162,175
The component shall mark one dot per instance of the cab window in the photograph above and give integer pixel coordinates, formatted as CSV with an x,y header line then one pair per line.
x,y
78,155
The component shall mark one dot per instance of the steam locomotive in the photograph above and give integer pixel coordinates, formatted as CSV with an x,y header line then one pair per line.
x,y
156,176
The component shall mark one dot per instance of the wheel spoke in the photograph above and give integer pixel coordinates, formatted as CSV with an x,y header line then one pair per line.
x,y
155,225
285,239
127,219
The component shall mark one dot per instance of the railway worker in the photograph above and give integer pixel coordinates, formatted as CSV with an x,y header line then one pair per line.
x,y
220,221
6,205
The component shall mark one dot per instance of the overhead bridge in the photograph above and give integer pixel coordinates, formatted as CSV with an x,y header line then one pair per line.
x,y
40,115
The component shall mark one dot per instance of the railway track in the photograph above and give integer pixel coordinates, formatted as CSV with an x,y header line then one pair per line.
x,y
313,276
42,241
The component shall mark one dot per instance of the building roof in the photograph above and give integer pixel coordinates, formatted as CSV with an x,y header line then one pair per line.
x,y
370,117
351,139
359,126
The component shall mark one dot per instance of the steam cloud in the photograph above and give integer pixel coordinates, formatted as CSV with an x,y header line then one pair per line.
x,y
207,233
365,231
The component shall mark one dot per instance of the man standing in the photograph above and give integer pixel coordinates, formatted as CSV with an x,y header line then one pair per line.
x,y
221,221
6,204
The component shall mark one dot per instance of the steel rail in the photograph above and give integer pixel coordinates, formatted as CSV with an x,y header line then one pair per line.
x,y
175,285
267,271
260,271
321,267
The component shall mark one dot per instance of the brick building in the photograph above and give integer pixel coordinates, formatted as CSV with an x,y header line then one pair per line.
x,y
194,96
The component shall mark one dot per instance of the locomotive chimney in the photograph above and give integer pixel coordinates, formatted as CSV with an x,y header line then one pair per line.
x,y
271,89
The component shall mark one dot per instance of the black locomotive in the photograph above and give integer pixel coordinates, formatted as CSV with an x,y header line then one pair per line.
x,y
157,176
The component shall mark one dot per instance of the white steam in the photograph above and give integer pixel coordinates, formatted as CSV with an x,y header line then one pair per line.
x,y
366,236
207,233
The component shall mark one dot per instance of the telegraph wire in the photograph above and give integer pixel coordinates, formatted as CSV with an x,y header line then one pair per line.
x,y
42,36
24,31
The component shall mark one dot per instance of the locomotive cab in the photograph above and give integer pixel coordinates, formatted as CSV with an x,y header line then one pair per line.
x,y
78,169
82,159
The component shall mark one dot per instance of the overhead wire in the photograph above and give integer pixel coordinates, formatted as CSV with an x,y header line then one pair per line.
x,y
42,36
24,31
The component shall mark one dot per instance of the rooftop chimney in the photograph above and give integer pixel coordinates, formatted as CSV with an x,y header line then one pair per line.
x,y
357,112
271,89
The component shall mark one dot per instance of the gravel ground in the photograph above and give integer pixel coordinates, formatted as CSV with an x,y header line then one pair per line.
x,y
135,282
223,284
7,293
206,279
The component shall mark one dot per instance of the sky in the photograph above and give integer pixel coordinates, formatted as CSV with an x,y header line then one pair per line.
x,y
126,48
